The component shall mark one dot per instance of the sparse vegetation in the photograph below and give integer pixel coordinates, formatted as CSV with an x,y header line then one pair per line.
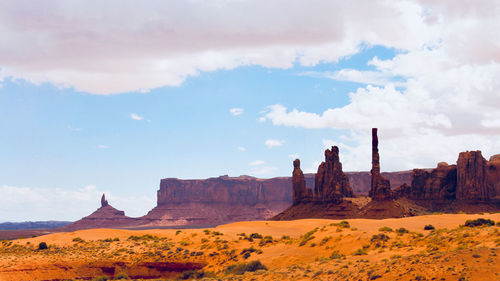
x,y
42,246
240,268
429,227
479,222
385,229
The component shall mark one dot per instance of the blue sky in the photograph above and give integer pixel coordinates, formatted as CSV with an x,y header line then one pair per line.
x,y
99,98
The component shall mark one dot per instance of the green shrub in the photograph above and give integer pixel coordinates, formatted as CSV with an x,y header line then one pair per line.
x,y
401,231
42,246
121,276
193,274
255,236
78,240
266,240
336,255
429,227
385,229
240,268
360,252
379,237
479,222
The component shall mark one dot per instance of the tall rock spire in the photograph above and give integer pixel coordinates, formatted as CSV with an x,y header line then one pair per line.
x,y
104,202
300,192
380,186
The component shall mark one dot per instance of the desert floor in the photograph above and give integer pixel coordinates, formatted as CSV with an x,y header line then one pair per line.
x,y
310,249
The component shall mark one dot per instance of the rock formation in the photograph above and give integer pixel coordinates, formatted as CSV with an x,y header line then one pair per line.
x,y
331,185
104,217
104,202
380,186
471,177
493,176
437,184
300,192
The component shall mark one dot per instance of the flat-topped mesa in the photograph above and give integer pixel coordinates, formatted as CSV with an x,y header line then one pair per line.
x,y
380,186
331,184
300,192
471,177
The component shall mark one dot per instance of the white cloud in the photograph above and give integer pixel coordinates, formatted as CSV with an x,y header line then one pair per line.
x,y
163,43
71,128
236,111
294,155
241,148
256,163
262,170
136,117
102,146
272,142
28,203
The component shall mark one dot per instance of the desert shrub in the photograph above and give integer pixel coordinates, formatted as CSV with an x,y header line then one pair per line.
x,y
385,229
307,237
285,237
336,255
207,232
246,255
379,238
240,268
178,232
360,252
78,240
256,236
343,224
498,223
266,240
100,278
121,276
401,231
479,222
193,274
243,234
429,227
216,233
42,246
325,240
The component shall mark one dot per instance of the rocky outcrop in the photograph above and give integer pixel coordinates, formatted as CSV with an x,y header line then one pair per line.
x,y
471,177
300,192
380,186
219,200
437,184
104,202
493,176
104,217
331,184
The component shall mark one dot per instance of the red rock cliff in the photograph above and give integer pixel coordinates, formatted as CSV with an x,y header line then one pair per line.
x,y
471,177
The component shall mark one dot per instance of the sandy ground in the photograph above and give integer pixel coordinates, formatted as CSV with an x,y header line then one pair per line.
x,y
310,249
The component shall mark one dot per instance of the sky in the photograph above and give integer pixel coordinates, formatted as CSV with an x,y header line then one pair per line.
x,y
101,96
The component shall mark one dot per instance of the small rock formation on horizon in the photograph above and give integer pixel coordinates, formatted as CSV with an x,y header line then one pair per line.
x,y
104,202
104,217
300,192
331,184
380,186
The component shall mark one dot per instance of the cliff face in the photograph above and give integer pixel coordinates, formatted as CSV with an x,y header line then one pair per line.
x,y
380,186
243,190
471,177
438,184
471,180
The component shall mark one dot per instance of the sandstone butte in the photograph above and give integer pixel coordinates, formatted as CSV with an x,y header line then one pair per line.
x,y
472,185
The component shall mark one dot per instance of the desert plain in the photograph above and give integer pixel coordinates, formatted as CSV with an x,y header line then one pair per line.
x,y
431,247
